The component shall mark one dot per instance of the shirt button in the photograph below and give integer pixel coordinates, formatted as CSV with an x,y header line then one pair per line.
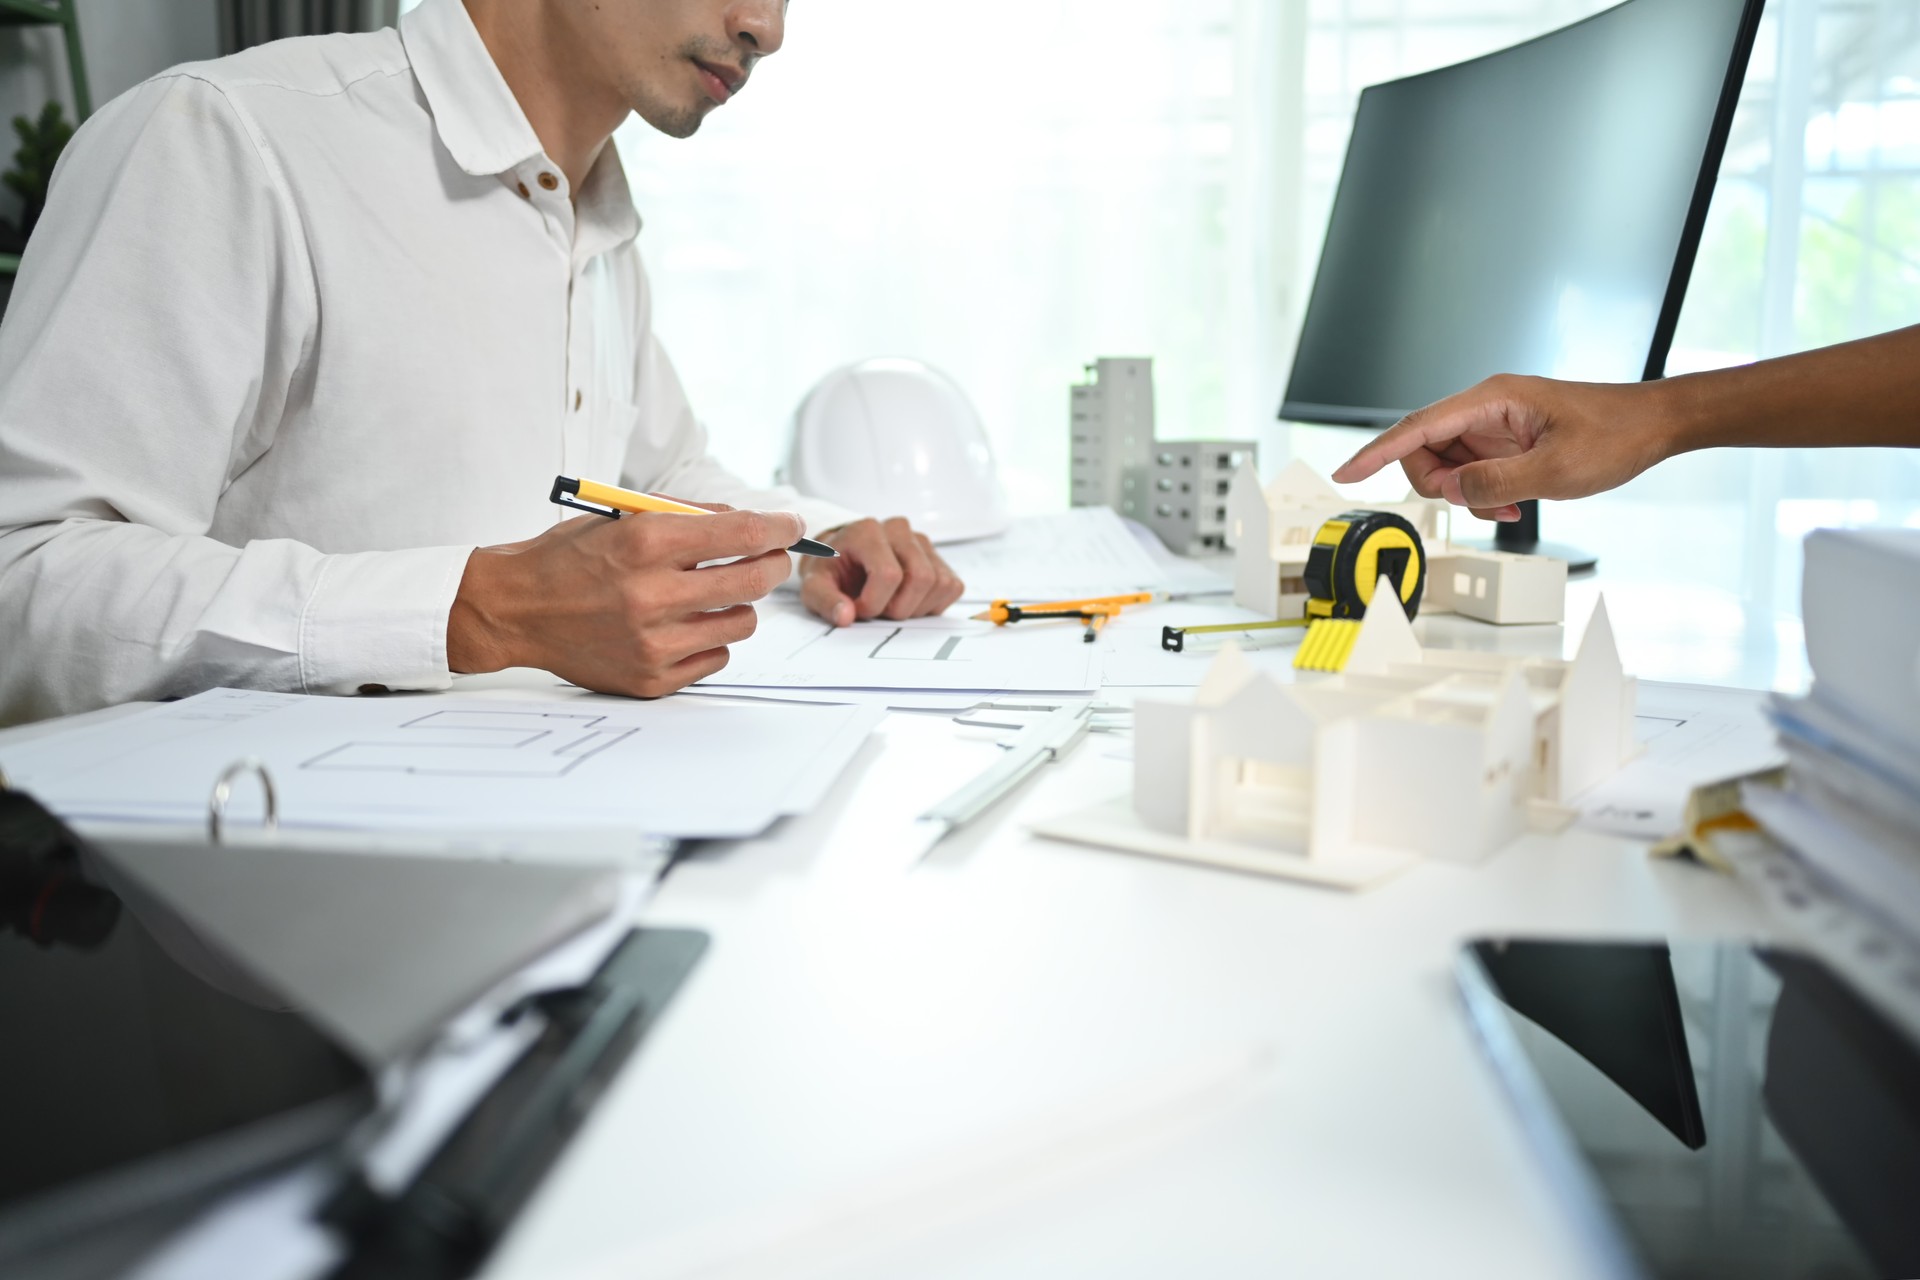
x,y
548,182
576,400
524,193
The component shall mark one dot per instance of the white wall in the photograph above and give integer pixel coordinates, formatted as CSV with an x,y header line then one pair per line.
x,y
124,41
128,40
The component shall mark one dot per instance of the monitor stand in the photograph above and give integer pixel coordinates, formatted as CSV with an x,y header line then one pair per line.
x,y
1523,536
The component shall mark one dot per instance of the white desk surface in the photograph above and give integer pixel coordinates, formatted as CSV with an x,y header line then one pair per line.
x,y
860,1028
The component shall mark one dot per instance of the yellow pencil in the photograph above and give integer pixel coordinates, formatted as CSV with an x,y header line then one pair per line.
x,y
610,500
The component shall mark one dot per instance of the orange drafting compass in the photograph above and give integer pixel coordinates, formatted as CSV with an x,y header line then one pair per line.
x,y
1093,611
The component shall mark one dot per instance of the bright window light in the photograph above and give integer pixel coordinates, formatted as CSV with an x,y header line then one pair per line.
x,y
1010,188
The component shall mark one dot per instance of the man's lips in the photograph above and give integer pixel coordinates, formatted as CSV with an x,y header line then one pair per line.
x,y
719,80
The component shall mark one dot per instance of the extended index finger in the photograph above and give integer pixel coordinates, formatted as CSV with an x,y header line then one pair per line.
x,y
1416,431
1427,428
688,540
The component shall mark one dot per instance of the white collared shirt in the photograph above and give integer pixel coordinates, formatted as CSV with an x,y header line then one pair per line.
x,y
298,330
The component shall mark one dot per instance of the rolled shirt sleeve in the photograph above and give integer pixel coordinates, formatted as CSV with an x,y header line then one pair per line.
x,y
156,334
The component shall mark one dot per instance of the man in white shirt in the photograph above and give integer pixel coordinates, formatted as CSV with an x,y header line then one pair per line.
x,y
304,332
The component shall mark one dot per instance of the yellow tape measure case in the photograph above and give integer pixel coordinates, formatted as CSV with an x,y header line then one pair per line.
x,y
1348,557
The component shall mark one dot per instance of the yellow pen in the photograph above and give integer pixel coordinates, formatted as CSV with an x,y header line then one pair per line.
x,y
610,500
1002,612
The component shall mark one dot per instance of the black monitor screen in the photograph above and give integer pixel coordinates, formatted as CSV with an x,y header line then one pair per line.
x,y
1532,211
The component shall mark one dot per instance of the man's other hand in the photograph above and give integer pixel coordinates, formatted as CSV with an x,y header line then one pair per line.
x,y
884,570
1513,438
621,606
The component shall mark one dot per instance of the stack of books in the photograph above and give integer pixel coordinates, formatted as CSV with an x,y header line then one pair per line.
x,y
1851,805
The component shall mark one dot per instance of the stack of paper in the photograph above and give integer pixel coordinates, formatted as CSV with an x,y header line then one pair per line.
x,y
1860,604
1851,808
1852,805
675,768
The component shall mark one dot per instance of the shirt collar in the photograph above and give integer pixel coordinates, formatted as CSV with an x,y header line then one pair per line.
x,y
476,114
485,131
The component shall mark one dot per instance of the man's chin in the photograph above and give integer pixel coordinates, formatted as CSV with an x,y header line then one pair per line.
x,y
675,123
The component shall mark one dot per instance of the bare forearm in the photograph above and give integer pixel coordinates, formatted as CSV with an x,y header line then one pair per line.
x,y
1857,393
1511,439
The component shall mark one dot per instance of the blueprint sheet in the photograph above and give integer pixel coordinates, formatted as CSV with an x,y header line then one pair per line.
x,y
675,767
794,649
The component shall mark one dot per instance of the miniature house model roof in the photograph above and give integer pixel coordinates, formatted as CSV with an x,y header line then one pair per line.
x,y
1299,485
1271,531
1298,501
1409,752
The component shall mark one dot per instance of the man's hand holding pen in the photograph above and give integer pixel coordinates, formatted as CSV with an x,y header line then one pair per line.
x,y
631,600
621,606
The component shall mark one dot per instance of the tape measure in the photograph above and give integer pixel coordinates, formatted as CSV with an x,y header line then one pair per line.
x,y
1349,555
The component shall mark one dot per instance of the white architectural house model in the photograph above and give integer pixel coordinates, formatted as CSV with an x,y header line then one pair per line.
x,y
1271,531
1346,780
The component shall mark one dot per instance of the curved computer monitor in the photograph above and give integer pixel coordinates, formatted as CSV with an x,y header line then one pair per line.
x,y
1535,211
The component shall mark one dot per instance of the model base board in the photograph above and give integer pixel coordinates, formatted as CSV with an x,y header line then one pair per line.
x,y
1410,753
1114,825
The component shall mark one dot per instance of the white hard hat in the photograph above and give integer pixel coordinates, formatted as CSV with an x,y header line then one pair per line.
x,y
892,437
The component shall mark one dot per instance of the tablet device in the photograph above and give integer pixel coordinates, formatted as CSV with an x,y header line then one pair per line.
x,y
139,1074
1709,1109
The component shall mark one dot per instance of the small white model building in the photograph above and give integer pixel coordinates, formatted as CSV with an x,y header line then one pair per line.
x,y
1271,532
1177,488
1495,586
1408,753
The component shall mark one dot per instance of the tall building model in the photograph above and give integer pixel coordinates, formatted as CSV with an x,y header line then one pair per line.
x,y
1177,488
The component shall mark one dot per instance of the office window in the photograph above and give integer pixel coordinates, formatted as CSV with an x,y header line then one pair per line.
x,y
1008,189
1813,238
1005,188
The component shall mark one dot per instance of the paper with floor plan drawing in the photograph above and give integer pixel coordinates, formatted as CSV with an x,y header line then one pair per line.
x,y
1067,554
794,649
1691,735
674,767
